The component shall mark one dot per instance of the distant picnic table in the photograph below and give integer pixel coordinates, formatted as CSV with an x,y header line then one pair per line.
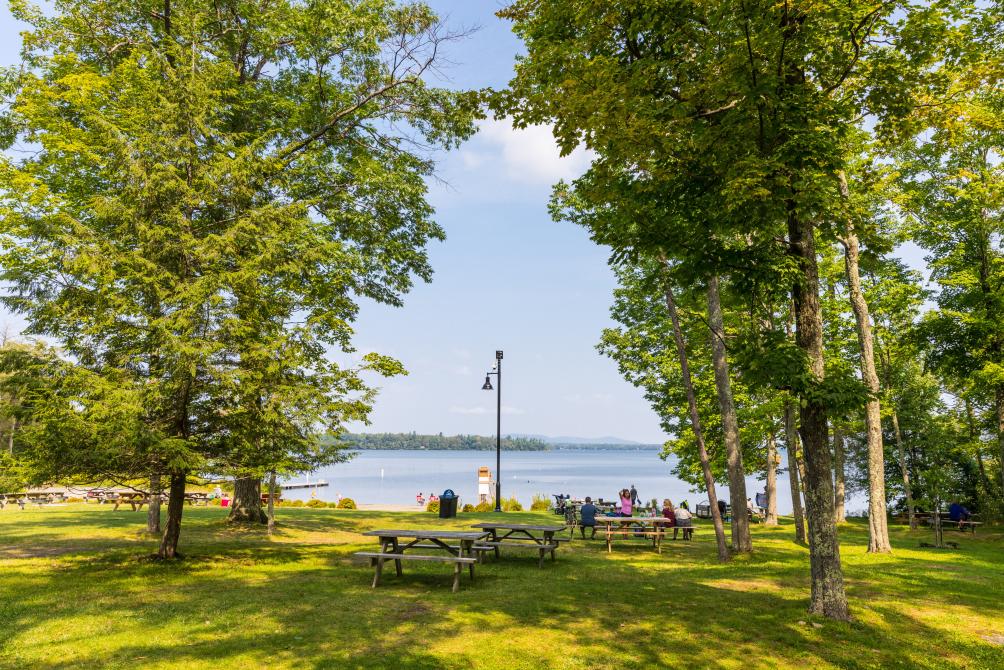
x,y
135,499
197,498
460,548
520,535
946,520
652,527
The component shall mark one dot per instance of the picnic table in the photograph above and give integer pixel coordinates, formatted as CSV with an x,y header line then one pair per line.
x,y
946,520
653,527
197,498
460,548
522,535
135,499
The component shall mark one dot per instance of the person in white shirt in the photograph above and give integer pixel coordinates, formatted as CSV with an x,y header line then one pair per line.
x,y
684,520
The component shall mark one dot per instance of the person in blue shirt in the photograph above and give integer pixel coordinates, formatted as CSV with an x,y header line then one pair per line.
x,y
958,513
587,517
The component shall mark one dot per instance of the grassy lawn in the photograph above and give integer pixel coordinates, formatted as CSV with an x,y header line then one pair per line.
x,y
77,591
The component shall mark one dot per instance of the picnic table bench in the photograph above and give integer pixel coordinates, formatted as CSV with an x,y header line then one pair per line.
x,y
653,527
522,535
392,549
18,498
135,499
946,520
197,498
40,498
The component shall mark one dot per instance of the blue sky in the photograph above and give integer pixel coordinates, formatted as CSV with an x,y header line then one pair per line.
x,y
507,277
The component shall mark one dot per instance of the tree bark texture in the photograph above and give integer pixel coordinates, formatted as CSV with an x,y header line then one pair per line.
x,y
905,471
839,489
271,502
878,531
794,480
695,423
175,507
730,425
246,504
999,403
153,508
771,519
828,595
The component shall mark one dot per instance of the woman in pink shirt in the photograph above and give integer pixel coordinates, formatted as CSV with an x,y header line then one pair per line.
x,y
625,502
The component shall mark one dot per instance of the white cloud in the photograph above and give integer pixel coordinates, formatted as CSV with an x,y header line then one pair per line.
x,y
528,155
467,410
463,370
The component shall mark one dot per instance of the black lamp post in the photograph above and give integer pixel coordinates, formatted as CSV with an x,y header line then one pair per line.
x,y
497,371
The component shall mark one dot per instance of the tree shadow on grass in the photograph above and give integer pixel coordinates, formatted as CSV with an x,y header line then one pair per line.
x,y
244,600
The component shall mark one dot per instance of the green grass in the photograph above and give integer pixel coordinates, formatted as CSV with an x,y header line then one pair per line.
x,y
78,591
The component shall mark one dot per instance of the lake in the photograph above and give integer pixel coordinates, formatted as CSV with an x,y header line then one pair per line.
x,y
394,477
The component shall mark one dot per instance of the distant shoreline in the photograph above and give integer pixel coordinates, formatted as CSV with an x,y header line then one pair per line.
x,y
546,447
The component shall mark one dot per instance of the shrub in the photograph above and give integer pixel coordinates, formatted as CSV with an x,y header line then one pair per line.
x,y
483,507
468,508
432,506
73,499
332,505
511,505
541,503
346,503
315,503
296,503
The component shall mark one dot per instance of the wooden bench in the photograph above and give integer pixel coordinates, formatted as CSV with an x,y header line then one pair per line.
x,y
377,560
134,500
518,544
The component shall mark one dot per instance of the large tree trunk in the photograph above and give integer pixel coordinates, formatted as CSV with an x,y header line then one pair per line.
x,y
771,519
271,502
175,506
828,595
999,404
878,531
695,423
791,440
246,504
905,470
733,452
839,490
153,508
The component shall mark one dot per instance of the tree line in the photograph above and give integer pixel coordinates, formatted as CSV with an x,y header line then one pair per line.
x,y
438,442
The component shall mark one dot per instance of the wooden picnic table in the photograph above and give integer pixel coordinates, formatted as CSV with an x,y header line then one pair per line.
x,y
197,498
135,499
653,527
522,535
458,545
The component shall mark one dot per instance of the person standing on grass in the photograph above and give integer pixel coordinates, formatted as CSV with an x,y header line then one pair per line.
x,y
625,502
587,518
635,500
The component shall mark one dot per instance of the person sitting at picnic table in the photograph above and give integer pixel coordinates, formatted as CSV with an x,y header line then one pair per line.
x,y
420,499
723,509
587,517
625,502
752,510
684,520
669,513
958,513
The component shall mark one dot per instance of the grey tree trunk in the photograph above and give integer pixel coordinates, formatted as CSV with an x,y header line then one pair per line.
x,y
999,403
791,440
246,505
695,423
839,490
733,452
828,595
771,519
905,471
878,531
153,509
271,502
175,507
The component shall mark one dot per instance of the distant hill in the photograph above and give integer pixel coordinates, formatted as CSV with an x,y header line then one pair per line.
x,y
440,442
607,442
